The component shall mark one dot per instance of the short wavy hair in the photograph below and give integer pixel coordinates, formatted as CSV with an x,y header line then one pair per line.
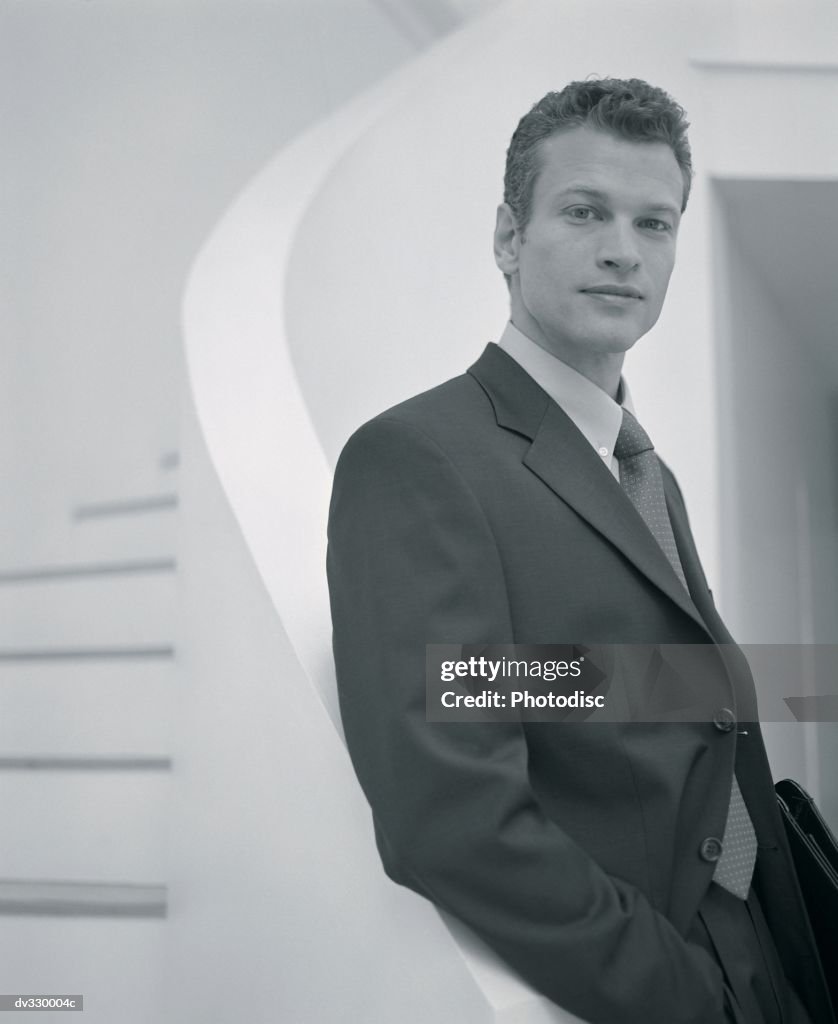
x,y
628,108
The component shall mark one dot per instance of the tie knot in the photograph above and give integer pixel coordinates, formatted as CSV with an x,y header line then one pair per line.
x,y
632,439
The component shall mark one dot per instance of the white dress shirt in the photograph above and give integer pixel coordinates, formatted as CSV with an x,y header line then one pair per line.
x,y
596,415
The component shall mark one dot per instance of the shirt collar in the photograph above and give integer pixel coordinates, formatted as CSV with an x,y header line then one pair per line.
x,y
597,416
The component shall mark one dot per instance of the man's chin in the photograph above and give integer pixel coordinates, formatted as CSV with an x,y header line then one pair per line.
x,y
616,327
612,344
590,339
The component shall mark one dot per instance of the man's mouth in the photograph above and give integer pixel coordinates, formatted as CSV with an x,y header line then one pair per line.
x,y
613,291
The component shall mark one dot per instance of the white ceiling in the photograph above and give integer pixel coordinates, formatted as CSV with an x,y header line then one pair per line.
x,y
425,20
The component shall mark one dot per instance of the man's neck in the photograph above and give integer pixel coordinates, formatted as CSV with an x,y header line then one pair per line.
x,y
601,368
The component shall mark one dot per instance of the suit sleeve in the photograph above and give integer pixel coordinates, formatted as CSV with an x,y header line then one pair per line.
x,y
412,560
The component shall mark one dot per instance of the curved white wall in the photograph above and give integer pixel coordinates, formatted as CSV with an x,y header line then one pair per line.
x,y
301,906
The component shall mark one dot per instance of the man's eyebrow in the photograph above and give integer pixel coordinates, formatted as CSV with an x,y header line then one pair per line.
x,y
602,197
583,190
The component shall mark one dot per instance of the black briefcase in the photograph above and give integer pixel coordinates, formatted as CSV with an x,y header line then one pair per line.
x,y
815,853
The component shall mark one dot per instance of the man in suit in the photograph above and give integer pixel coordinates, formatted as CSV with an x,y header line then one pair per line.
x,y
631,871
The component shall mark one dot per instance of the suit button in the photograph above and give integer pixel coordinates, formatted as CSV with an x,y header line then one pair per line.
x,y
710,849
724,719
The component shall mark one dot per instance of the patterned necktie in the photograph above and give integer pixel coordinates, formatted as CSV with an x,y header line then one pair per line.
x,y
739,847
640,477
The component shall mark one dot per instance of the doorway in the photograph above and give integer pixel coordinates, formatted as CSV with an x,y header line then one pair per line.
x,y
775,248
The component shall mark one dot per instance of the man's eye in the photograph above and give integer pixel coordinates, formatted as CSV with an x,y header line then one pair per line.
x,y
582,213
655,224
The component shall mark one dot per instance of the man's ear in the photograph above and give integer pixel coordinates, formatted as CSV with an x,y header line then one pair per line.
x,y
507,240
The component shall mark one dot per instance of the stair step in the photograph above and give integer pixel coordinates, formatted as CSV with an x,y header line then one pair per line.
x,y
134,608
96,707
115,963
82,899
77,825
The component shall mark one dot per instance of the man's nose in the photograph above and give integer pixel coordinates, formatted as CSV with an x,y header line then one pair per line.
x,y
618,248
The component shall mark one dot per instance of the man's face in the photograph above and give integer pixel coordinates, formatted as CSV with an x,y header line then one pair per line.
x,y
590,271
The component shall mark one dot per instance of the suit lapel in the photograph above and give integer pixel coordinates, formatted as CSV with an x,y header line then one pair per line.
x,y
561,457
692,567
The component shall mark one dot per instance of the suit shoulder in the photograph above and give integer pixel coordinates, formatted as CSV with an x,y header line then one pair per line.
x,y
439,415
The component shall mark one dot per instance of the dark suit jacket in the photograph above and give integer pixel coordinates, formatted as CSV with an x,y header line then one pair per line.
x,y
476,513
